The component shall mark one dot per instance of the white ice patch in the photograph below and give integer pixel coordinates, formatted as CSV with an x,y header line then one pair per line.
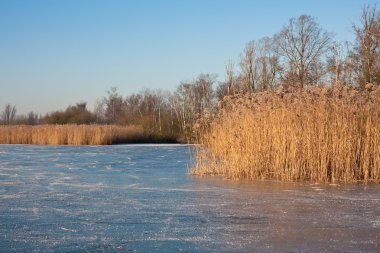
x,y
35,211
375,223
9,183
156,189
67,229
90,187
131,186
134,176
10,196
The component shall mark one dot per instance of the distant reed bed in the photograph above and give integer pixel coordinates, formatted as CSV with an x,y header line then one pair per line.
x,y
317,134
71,134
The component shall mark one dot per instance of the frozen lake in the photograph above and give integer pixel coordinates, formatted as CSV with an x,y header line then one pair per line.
x,y
138,198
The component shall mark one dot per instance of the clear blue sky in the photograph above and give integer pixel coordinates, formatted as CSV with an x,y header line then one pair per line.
x,y
56,53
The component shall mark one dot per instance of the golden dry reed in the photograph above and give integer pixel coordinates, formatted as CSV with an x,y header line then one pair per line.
x,y
318,135
70,134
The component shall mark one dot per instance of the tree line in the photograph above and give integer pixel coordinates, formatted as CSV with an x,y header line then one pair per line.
x,y
301,54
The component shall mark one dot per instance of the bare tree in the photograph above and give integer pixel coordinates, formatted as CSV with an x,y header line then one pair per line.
x,y
32,118
153,105
191,101
99,111
368,46
336,62
248,71
302,42
8,114
184,108
267,62
204,93
227,87
340,63
349,65
230,78
114,106
133,107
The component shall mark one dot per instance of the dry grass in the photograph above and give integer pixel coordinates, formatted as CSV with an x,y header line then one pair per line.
x,y
318,134
70,134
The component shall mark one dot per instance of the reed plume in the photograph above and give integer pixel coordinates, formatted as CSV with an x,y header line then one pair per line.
x,y
317,134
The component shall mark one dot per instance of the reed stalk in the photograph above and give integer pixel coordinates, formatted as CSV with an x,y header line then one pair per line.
x,y
71,134
317,134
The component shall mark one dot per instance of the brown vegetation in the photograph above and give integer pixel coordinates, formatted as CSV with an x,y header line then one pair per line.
x,y
301,54
71,134
77,114
317,134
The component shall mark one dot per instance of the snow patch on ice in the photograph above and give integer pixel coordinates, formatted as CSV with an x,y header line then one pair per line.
x,y
67,229
376,223
10,196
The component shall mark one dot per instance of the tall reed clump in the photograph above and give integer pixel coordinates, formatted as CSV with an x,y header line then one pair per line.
x,y
71,134
317,134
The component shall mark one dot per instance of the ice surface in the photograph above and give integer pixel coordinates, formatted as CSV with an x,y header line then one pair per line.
x,y
138,198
